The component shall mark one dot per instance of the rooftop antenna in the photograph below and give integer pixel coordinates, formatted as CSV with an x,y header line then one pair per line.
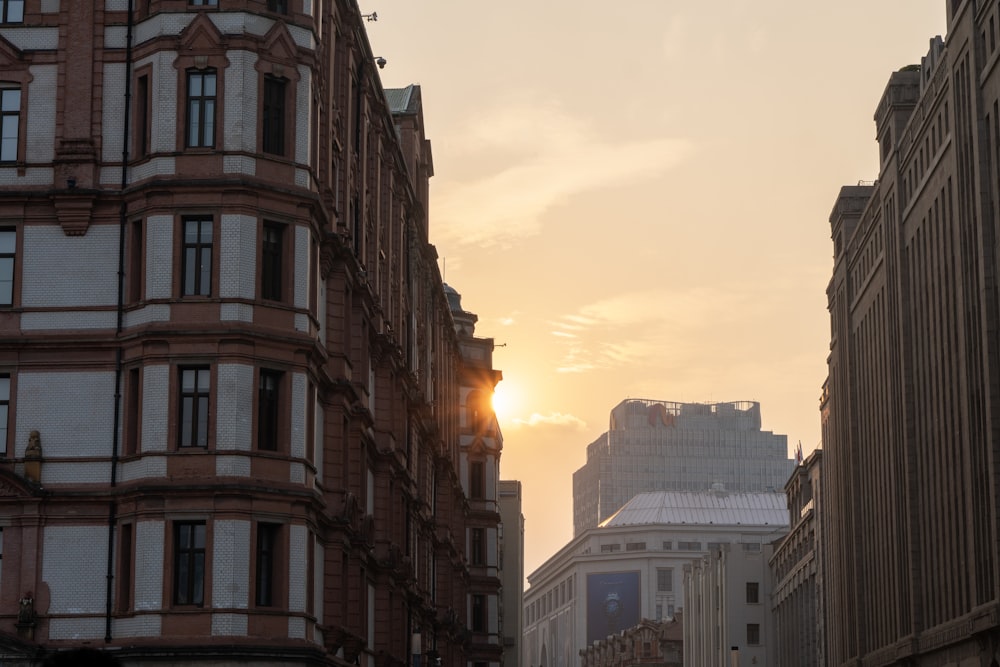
x,y
370,17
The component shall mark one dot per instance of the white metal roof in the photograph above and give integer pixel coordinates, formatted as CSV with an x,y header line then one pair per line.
x,y
704,508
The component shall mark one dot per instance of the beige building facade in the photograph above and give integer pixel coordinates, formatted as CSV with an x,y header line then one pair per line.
x,y
911,411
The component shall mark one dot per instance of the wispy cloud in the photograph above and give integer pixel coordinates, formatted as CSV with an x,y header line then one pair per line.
x,y
548,156
635,328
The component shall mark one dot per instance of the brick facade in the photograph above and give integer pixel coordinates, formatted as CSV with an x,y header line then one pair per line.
x,y
151,351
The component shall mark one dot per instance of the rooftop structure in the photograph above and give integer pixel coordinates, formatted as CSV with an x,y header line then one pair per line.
x,y
666,446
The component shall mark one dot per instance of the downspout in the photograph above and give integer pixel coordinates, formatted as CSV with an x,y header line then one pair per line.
x,y
122,226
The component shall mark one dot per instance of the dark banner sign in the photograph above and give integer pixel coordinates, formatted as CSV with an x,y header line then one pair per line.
x,y
612,603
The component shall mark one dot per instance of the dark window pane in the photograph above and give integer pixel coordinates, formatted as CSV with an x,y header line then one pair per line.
x,y
197,256
189,563
273,116
194,407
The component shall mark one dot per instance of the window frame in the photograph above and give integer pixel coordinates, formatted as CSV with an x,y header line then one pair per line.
x,y
201,141
753,634
274,111
202,250
126,558
5,11
477,480
478,612
269,411
266,565
203,3
143,107
195,557
664,580
197,396
272,261
133,412
135,272
10,256
6,392
277,6
477,546
17,114
753,592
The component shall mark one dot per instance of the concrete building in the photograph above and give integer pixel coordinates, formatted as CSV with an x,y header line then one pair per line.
x,y
911,410
797,571
511,569
666,446
234,402
728,617
629,568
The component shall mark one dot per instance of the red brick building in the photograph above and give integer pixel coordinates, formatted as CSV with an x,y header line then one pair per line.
x,y
231,386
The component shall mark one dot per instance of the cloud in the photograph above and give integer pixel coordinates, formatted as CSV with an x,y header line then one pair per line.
x,y
661,326
546,157
553,419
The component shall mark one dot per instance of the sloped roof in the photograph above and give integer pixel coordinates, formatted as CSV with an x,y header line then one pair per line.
x,y
704,508
403,100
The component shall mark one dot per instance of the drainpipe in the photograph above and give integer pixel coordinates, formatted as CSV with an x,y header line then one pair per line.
x,y
122,225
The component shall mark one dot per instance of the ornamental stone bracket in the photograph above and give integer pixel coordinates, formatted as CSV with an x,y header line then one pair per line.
x,y
73,209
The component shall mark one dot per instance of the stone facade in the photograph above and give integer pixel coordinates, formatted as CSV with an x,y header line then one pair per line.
x,y
911,411
797,570
221,313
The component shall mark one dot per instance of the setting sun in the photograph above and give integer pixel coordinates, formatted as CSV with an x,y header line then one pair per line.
x,y
504,401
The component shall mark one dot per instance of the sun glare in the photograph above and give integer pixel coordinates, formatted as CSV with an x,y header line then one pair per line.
x,y
503,401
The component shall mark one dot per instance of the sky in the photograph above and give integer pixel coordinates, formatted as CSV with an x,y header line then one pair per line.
x,y
634,198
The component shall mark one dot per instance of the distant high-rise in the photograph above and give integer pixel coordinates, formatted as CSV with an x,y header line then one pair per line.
x,y
665,446
911,408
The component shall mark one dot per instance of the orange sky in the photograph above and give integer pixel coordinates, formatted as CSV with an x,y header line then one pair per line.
x,y
636,201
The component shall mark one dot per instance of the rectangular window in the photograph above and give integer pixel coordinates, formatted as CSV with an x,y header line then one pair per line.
x,y
270,261
195,386
273,116
201,109
668,546
189,562
664,580
8,253
753,634
635,546
142,116
689,546
476,547
204,3
135,262
11,11
267,410
478,613
267,542
4,410
125,568
753,592
477,471
197,257
10,122
277,6
609,548
132,413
